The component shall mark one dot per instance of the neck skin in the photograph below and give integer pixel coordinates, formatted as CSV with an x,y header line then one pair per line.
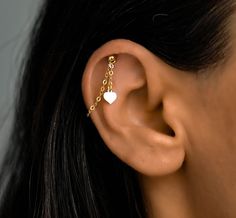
x,y
166,197
184,195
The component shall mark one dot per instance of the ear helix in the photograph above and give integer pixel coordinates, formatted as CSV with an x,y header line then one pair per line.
x,y
106,89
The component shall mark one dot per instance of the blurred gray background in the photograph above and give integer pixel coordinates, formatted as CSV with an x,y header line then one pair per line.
x,y
16,18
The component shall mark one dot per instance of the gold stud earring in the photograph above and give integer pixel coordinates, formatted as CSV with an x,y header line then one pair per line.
x,y
106,90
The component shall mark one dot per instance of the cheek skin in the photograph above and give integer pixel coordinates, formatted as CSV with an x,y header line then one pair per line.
x,y
209,116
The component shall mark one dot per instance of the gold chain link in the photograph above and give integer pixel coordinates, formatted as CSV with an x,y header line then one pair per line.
x,y
107,81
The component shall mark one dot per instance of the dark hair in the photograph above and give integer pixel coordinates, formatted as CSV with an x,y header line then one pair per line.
x,y
57,164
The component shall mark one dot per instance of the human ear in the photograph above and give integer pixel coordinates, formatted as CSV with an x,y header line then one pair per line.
x,y
139,127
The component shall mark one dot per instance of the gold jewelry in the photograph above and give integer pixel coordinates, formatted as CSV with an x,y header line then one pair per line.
x,y
109,96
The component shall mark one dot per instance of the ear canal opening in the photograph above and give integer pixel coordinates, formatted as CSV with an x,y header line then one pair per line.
x,y
166,129
170,131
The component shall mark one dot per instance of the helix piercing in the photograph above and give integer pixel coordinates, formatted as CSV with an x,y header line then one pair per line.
x,y
106,89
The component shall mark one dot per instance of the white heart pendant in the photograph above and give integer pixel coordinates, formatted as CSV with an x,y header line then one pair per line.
x,y
110,97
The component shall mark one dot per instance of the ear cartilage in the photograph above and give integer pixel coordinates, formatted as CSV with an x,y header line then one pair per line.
x,y
106,89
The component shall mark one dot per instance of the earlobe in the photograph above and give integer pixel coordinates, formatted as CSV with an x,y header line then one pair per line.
x,y
134,127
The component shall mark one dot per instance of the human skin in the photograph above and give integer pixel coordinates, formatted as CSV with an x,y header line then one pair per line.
x,y
206,184
188,174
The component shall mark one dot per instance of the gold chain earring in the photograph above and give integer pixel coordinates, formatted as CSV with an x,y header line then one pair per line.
x,y
106,90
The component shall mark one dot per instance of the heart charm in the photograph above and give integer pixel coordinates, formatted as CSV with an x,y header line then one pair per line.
x,y
110,97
